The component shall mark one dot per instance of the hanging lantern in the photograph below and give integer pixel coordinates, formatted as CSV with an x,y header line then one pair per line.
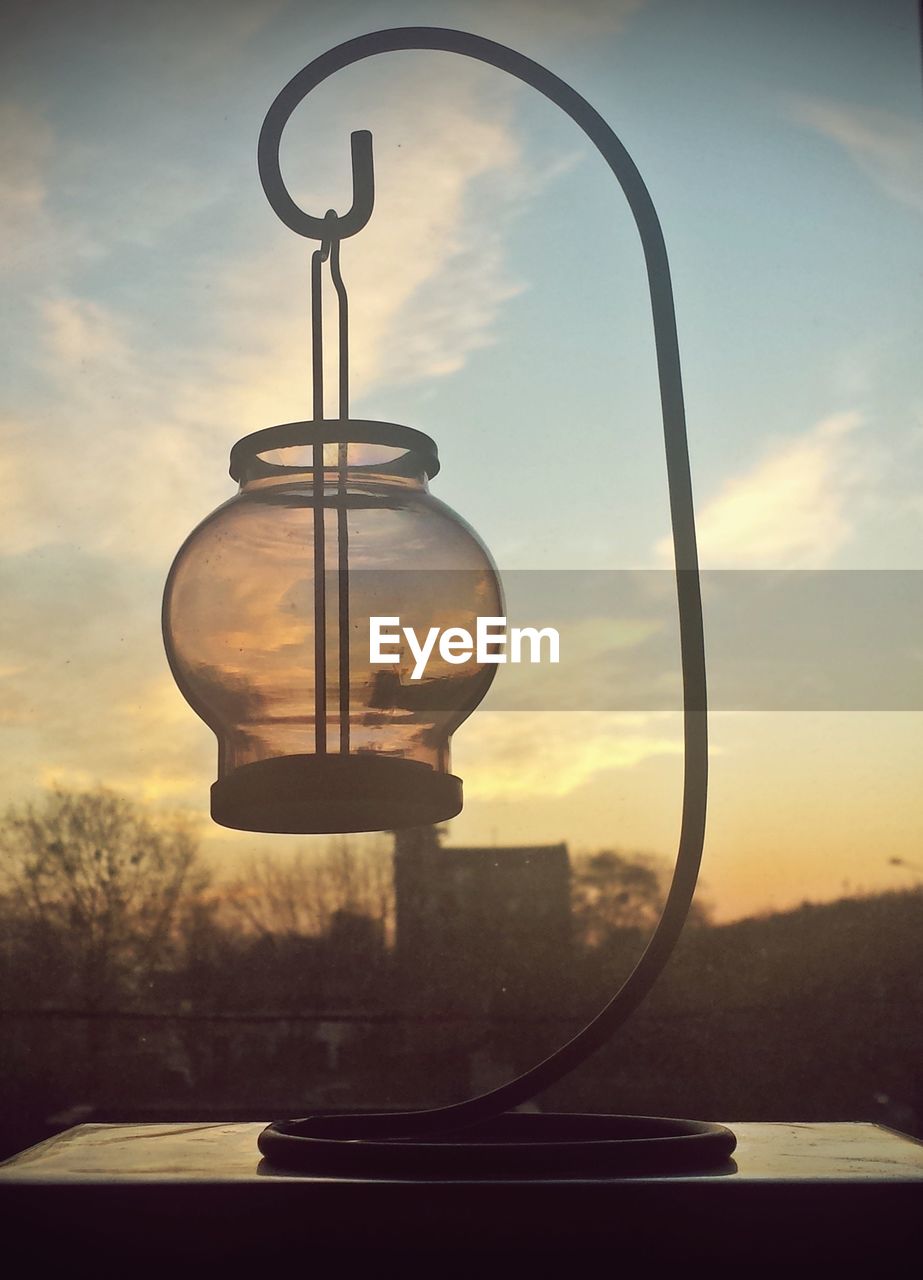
x,y
268,608
266,621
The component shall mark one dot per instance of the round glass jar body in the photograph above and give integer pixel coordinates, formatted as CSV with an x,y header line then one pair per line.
x,y
267,626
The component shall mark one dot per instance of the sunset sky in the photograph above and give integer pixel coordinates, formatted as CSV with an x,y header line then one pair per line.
x,y
155,311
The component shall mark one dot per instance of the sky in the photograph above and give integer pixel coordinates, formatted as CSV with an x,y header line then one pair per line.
x,y
155,311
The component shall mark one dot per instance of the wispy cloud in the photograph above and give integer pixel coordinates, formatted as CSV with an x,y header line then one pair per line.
x,y
888,147
426,277
138,456
793,509
85,693
29,238
505,755
81,334
25,146
116,439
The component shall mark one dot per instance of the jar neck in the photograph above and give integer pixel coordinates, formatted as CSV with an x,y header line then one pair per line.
x,y
351,479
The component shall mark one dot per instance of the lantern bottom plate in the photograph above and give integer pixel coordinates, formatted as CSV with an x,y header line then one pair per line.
x,y
330,794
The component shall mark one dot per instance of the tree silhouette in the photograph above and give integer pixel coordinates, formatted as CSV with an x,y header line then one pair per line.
x,y
614,894
311,926
94,888
305,893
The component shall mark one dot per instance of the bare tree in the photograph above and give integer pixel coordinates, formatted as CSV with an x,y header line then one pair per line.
x,y
93,878
304,893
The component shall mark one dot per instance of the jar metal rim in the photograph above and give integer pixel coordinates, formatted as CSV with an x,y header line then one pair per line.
x,y
332,431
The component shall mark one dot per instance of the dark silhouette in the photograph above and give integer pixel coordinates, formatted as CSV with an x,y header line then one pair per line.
x,y
337,977
96,889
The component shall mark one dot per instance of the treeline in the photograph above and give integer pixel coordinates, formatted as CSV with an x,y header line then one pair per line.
x,y
105,908
134,983
810,1014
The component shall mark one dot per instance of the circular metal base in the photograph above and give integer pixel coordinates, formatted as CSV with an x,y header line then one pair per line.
x,y
513,1146
320,795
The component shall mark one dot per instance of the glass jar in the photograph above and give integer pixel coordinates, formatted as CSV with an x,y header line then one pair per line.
x,y
266,623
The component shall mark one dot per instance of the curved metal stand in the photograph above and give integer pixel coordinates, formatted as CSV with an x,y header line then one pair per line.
x,y
294,1144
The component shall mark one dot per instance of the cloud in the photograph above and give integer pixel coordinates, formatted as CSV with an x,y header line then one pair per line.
x,y
85,692
96,458
86,696
28,237
80,333
514,755
426,277
25,147
795,509
136,408
30,517
888,147
118,444
150,333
